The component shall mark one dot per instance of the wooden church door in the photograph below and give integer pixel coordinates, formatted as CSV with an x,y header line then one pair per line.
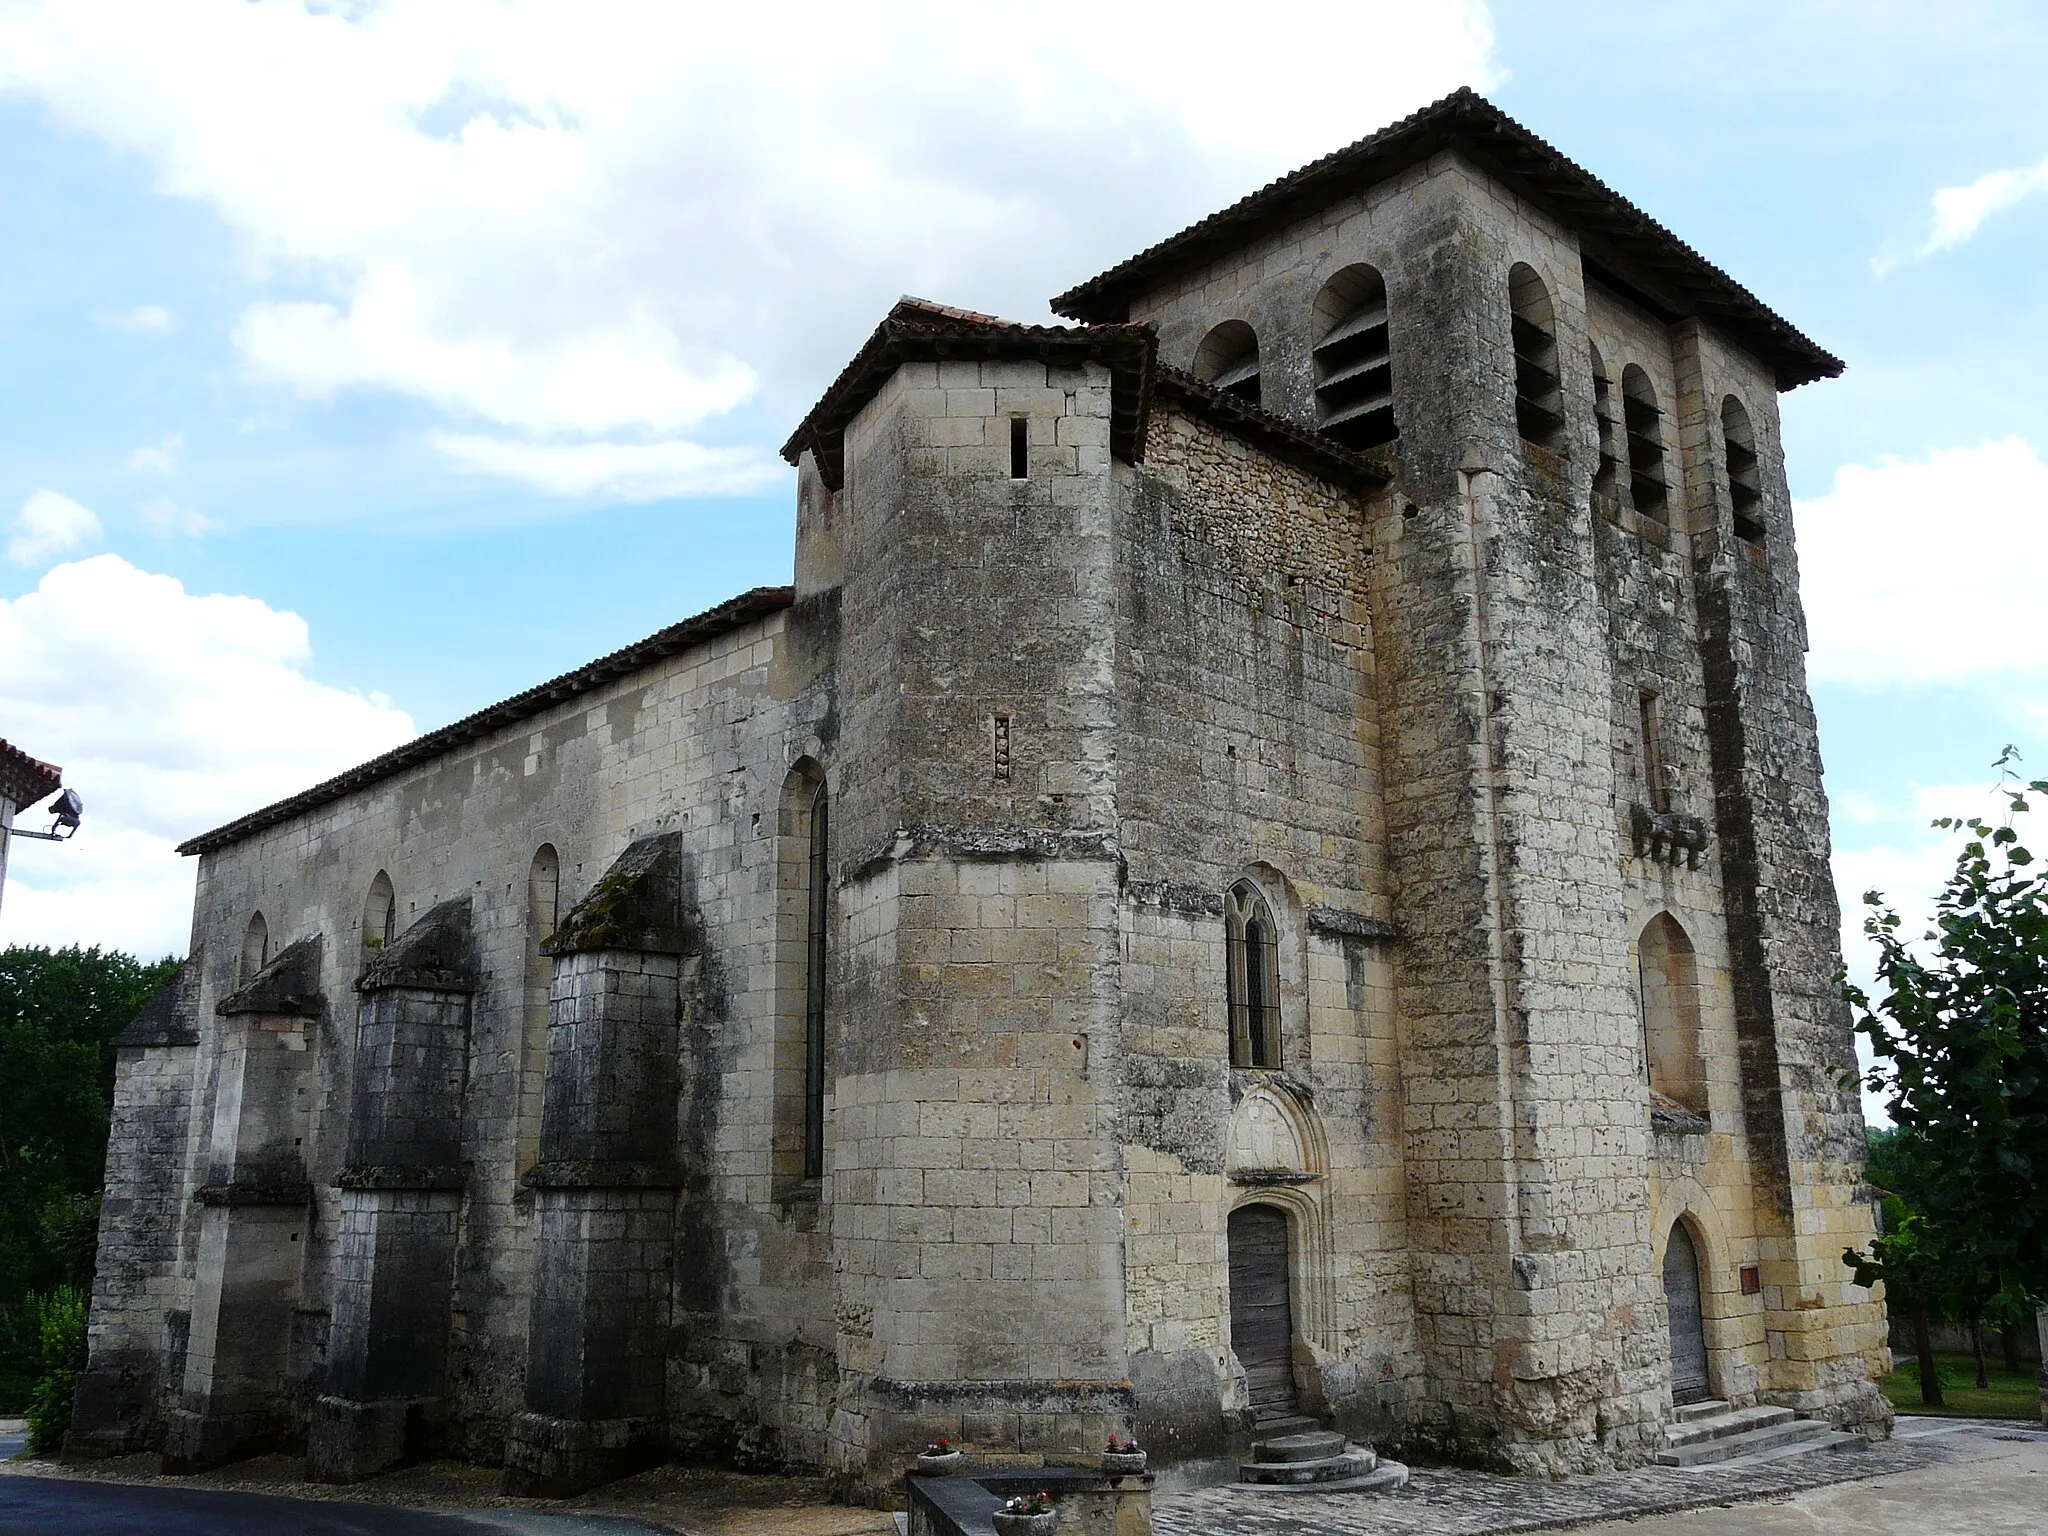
x,y
1261,1318
1688,1323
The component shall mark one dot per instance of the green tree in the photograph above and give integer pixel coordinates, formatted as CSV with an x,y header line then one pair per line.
x,y
1959,1036
60,1012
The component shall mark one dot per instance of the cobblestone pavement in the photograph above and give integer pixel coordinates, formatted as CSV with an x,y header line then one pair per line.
x,y
1459,1503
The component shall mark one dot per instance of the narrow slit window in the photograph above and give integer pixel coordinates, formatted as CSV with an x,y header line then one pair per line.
x,y
817,954
1648,486
1655,782
1354,362
1745,474
1539,399
1252,963
1020,434
1229,359
1607,474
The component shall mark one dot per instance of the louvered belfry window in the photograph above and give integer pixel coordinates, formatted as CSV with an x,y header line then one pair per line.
x,y
1648,487
1252,952
1745,475
1354,363
1607,474
1539,399
1229,359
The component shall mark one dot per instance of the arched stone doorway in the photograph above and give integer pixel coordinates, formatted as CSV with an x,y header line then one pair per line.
x,y
1688,1318
1261,1311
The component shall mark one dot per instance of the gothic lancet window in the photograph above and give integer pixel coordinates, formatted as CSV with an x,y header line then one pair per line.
x,y
816,957
1252,957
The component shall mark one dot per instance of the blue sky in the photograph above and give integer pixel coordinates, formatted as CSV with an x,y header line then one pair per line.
x,y
362,364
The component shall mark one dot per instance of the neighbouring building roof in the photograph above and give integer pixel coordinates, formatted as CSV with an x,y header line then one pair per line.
x,y
1283,438
25,779
1622,246
727,616
917,330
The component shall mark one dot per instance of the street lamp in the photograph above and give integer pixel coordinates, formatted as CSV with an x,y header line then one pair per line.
x,y
64,812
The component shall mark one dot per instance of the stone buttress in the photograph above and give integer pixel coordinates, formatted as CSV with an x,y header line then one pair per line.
x,y
605,1188
401,1204
254,1196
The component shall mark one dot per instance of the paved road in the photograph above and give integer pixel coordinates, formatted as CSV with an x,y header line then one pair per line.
x,y
52,1506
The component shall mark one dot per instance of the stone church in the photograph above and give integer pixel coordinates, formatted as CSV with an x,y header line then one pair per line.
x,y
1271,865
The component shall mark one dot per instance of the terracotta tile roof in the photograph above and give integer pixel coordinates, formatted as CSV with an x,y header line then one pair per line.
x,y
25,779
917,330
1283,438
1622,246
727,616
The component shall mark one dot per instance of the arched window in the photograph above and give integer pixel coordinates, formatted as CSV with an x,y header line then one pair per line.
x,y
1354,368
1647,487
543,912
1745,478
380,916
1607,473
1252,958
803,931
1669,974
817,957
1229,359
255,948
1539,403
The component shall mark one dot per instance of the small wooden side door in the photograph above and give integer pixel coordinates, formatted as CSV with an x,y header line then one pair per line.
x,y
1261,1316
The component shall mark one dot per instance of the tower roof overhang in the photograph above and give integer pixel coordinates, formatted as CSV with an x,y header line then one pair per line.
x,y
917,330
1621,246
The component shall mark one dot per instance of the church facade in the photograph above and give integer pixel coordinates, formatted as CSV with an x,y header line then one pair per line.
x,y
1272,863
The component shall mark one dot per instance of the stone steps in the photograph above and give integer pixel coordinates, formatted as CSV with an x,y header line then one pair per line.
x,y
1316,1461
1715,1435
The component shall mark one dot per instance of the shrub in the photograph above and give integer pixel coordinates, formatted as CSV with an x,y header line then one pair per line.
x,y
61,1317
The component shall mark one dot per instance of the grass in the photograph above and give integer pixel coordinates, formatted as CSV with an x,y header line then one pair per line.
x,y
2010,1396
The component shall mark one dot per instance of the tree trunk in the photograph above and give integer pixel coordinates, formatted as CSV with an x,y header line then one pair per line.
x,y
1923,1346
1977,1349
2009,1342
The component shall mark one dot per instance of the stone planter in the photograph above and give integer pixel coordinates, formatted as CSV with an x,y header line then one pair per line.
x,y
1008,1524
1123,1463
929,1465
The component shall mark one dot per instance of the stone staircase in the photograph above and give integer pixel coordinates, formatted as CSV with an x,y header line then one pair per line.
x,y
1309,1459
1711,1434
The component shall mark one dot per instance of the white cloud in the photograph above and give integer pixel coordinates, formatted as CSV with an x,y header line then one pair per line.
x,y
1929,571
167,519
170,713
158,458
1960,211
614,219
616,471
48,524
143,319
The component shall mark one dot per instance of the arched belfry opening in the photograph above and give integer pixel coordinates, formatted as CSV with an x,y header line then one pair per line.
x,y
1229,359
1539,396
1745,473
1668,972
1684,1297
1261,1307
1354,361
1648,482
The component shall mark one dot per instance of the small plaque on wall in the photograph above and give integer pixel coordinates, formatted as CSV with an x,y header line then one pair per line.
x,y
1752,1280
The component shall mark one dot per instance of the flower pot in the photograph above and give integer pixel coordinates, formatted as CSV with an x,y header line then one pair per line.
x,y
929,1465
1123,1463
1008,1524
